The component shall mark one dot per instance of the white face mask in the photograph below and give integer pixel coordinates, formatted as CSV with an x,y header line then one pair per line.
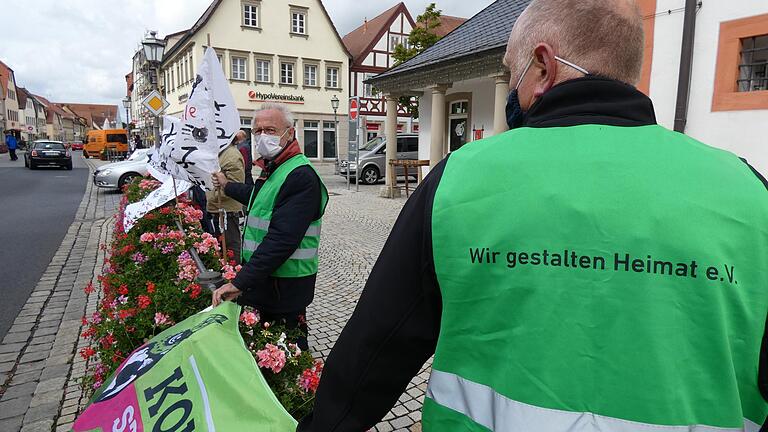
x,y
268,146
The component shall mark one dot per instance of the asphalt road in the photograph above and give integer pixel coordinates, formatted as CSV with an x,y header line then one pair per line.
x,y
36,210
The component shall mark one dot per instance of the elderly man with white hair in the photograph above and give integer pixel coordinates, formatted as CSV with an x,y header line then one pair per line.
x,y
282,231
586,271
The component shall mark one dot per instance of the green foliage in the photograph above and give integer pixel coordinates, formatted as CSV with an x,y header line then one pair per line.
x,y
422,36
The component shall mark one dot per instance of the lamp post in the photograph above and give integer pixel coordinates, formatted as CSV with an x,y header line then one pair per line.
x,y
154,49
335,106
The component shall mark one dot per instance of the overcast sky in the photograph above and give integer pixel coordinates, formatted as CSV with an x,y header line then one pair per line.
x,y
80,50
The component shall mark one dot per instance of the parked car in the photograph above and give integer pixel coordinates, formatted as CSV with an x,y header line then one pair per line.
x,y
118,174
77,145
47,153
373,158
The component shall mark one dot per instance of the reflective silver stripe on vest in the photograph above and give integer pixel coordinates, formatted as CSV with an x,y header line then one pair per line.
x,y
263,224
499,413
300,254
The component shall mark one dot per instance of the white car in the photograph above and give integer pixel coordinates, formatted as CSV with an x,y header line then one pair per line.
x,y
118,174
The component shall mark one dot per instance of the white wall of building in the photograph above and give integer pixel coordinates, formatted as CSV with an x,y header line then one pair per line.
x,y
273,41
742,132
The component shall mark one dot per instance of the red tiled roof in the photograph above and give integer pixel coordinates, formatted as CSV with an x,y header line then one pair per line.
x,y
93,113
5,72
129,83
361,40
21,96
448,24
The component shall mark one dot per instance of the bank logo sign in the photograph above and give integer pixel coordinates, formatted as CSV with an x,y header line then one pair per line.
x,y
255,96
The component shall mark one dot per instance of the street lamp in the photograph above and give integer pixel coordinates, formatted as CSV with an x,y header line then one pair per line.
x,y
335,106
154,49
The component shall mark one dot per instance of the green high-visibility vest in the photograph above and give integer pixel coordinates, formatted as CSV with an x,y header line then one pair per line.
x,y
598,278
303,262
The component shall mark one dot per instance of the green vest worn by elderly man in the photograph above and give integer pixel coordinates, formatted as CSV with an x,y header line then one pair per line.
x,y
304,261
595,279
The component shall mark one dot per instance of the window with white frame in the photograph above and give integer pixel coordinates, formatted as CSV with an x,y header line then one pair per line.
x,y
332,77
394,40
178,75
286,73
299,22
12,94
239,68
191,68
251,15
185,68
263,68
368,89
310,75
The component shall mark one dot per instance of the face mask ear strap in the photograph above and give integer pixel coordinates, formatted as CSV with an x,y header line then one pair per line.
x,y
525,71
566,62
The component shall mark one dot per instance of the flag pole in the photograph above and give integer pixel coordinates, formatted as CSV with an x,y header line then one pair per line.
x,y
222,226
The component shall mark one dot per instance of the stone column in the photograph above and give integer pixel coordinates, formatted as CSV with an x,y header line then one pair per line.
x,y
390,133
500,104
437,126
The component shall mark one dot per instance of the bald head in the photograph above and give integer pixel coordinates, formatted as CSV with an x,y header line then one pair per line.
x,y
240,136
604,37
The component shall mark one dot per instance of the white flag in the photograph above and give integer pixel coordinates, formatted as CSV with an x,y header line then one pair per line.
x,y
158,197
182,157
226,114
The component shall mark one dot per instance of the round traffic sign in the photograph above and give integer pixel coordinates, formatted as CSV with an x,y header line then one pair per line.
x,y
353,109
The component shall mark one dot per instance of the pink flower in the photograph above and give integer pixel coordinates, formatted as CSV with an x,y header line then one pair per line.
x,y
162,319
147,237
271,357
139,258
249,318
96,318
229,273
187,268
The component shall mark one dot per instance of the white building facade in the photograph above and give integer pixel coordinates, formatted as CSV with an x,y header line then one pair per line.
x,y
728,34
270,52
463,86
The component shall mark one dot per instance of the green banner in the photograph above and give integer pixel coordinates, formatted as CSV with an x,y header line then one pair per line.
x,y
195,376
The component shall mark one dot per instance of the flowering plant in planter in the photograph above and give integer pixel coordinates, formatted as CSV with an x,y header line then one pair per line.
x,y
148,284
292,373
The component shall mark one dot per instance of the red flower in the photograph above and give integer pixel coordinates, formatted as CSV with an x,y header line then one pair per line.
x,y
87,353
84,320
89,288
194,290
230,253
125,314
144,302
123,289
166,210
107,341
150,287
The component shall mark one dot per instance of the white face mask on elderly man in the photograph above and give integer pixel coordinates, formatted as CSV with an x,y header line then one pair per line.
x,y
268,146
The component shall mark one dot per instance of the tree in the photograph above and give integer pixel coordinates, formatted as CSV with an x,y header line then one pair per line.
x,y
422,36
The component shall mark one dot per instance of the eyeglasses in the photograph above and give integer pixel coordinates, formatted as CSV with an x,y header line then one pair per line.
x,y
268,131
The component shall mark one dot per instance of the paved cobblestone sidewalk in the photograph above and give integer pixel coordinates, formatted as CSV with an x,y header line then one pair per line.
x,y
39,365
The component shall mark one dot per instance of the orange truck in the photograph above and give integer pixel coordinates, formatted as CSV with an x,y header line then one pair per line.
x,y
114,140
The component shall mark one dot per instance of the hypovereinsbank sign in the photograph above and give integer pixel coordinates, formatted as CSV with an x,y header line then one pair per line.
x,y
255,96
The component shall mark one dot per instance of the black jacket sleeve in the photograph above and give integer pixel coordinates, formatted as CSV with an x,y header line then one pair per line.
x,y
242,191
296,206
393,330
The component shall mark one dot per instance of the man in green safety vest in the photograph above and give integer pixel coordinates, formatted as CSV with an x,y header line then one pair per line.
x,y
588,270
281,238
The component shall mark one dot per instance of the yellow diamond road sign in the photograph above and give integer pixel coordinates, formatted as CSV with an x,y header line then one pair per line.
x,y
155,103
